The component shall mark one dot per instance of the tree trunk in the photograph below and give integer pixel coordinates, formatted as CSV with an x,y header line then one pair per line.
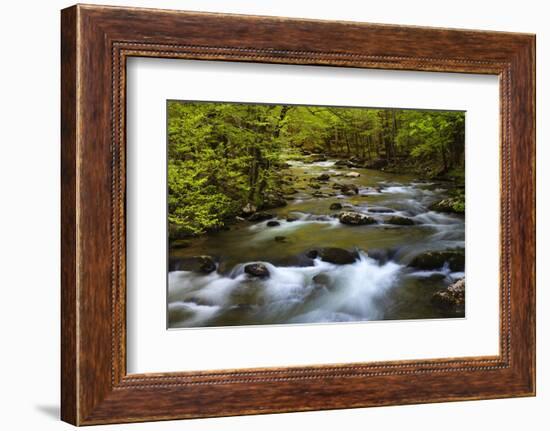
x,y
254,174
393,133
444,158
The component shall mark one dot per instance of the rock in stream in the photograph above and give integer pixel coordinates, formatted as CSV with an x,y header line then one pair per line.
x,y
451,297
335,255
355,219
432,260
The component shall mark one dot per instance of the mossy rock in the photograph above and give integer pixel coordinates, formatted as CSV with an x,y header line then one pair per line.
x,y
452,297
257,270
449,205
433,260
338,256
355,219
400,221
349,189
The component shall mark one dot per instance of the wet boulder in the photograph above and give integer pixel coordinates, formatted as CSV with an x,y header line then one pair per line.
x,y
452,297
338,256
199,264
257,270
382,256
260,216
433,260
335,206
400,221
349,189
355,219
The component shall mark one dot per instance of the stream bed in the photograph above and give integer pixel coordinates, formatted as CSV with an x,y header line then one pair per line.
x,y
301,286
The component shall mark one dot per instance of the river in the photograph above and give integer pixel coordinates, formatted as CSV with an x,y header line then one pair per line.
x,y
379,285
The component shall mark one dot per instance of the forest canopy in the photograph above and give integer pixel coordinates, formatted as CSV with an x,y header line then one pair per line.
x,y
224,156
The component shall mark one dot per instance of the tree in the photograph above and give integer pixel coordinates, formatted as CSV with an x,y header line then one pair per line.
x,y
222,156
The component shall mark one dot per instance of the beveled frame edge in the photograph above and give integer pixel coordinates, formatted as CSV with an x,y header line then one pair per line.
x,y
96,41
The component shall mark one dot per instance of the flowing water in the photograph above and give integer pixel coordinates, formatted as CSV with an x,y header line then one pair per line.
x,y
378,285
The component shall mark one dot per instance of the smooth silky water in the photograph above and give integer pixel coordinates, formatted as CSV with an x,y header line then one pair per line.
x,y
377,286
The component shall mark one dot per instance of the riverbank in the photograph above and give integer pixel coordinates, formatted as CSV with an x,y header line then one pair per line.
x,y
288,185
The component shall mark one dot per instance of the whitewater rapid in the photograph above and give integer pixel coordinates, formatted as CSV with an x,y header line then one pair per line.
x,y
323,292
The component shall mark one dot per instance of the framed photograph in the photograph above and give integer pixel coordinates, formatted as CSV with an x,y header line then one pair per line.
x,y
300,214
264,215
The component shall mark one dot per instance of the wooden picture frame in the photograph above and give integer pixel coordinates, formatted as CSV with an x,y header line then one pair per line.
x,y
95,43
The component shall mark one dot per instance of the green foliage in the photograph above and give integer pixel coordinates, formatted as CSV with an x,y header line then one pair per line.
x,y
459,205
222,156
459,202
429,142
435,139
